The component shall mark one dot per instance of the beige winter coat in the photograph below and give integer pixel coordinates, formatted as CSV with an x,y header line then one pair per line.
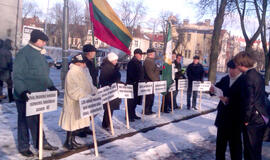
x,y
78,84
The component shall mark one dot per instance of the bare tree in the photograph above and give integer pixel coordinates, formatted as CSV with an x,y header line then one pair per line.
x,y
31,8
131,12
246,7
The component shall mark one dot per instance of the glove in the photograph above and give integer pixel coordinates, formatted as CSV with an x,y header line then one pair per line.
x,y
53,88
24,96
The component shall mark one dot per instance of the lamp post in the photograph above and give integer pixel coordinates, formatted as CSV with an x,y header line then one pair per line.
x,y
65,43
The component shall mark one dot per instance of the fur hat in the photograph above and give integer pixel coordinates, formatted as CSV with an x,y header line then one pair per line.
x,y
231,64
78,58
89,48
37,34
150,50
196,57
112,56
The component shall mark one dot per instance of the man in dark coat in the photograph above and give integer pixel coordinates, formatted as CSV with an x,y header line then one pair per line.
x,y
228,120
6,67
135,74
151,73
195,72
109,74
30,74
89,52
177,75
255,116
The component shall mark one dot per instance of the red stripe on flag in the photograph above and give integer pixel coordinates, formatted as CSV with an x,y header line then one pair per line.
x,y
106,35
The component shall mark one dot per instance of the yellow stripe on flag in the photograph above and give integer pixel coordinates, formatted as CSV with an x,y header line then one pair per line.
x,y
107,11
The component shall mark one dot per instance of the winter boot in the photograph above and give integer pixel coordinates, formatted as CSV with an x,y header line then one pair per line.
x,y
68,142
10,95
74,144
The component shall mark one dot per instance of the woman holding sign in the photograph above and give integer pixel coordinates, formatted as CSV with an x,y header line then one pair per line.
x,y
109,74
78,85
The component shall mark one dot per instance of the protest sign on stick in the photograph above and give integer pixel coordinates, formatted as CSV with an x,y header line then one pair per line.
x,y
171,89
201,86
160,87
182,84
145,88
94,135
39,103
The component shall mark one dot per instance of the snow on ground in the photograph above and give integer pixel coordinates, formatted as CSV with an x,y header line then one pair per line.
x,y
139,146
158,143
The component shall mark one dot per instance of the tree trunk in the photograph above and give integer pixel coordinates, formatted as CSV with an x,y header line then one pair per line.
x,y
267,69
215,41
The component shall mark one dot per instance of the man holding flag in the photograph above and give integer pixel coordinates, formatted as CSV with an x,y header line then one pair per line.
x,y
167,68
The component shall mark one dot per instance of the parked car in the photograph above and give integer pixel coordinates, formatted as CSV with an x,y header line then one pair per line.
x,y
49,60
58,62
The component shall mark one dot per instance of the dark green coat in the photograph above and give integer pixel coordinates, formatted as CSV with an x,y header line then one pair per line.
x,y
30,72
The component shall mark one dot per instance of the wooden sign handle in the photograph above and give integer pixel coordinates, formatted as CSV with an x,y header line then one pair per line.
x,y
181,98
127,118
200,100
159,106
110,117
143,113
163,103
94,135
172,101
40,156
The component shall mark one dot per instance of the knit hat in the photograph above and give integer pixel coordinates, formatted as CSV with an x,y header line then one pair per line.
x,y
112,56
138,51
196,57
37,34
89,48
78,58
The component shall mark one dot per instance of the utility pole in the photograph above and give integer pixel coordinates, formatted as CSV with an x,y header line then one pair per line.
x,y
65,43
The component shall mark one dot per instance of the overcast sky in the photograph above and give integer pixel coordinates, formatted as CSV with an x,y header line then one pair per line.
x,y
184,8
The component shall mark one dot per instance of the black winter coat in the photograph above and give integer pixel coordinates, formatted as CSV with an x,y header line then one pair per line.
x,y
229,116
93,70
253,98
135,74
195,72
110,74
178,74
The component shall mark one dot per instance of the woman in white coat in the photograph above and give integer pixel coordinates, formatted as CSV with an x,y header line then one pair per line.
x,y
78,84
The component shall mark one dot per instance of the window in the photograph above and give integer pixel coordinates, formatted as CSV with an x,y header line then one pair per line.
x,y
188,37
189,53
185,53
136,43
156,45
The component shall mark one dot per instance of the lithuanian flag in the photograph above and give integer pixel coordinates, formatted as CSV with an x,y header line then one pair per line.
x,y
108,27
167,66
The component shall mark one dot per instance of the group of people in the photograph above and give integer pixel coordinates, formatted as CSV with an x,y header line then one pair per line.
x,y
242,112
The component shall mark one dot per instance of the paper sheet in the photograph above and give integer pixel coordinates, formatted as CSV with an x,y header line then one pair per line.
x,y
218,92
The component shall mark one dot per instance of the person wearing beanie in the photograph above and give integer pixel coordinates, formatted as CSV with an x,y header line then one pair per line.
x,y
6,68
195,72
151,73
30,74
78,84
109,74
135,74
228,120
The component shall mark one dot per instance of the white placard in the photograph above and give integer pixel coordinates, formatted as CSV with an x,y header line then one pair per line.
x,y
90,105
199,86
160,86
172,87
108,93
41,102
145,88
125,91
182,84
